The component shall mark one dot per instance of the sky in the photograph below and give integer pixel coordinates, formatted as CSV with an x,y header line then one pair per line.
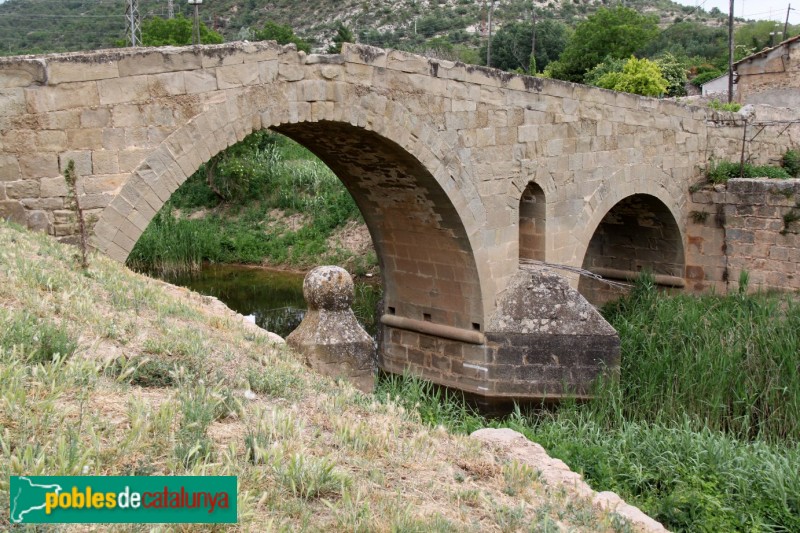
x,y
752,9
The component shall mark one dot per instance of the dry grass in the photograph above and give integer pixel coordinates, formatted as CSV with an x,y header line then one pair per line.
x,y
309,454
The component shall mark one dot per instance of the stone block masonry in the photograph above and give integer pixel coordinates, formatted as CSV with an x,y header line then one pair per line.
x,y
750,225
437,155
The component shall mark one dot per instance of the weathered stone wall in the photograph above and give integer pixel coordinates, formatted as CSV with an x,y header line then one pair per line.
x,y
772,77
750,225
544,340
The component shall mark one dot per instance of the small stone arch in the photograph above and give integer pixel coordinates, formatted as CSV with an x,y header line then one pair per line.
x,y
532,223
638,233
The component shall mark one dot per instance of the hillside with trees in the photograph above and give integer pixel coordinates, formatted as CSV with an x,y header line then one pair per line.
x,y
33,26
574,40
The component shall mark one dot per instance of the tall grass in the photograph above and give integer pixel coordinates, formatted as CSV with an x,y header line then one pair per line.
x,y
689,479
701,429
40,339
171,245
728,363
264,172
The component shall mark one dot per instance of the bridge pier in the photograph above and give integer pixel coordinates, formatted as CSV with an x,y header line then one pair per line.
x,y
544,341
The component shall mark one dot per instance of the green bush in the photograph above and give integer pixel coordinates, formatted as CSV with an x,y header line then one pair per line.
x,y
791,163
719,106
722,171
638,76
674,72
608,65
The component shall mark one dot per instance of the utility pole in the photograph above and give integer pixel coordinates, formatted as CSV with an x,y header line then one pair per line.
x,y
133,23
730,53
483,19
489,43
532,67
786,24
196,25
170,9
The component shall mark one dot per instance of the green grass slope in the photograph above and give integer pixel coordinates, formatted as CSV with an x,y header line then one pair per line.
x,y
107,372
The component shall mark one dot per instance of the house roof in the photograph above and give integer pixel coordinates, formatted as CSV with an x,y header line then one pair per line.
x,y
766,51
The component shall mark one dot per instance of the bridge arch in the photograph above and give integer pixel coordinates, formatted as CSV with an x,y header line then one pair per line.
x,y
404,177
532,223
637,232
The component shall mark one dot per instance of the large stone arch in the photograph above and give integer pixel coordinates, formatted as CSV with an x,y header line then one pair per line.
x,y
423,230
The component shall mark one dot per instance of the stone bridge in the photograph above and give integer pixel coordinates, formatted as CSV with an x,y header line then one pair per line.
x,y
461,172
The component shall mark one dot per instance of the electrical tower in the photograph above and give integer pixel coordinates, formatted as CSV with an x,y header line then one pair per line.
x,y
133,23
170,9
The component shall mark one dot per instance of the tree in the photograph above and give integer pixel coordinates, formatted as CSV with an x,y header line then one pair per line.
x,y
608,65
756,35
674,73
283,34
511,45
690,39
343,35
175,32
638,76
618,32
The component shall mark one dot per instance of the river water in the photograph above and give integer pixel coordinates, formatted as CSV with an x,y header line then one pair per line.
x,y
273,299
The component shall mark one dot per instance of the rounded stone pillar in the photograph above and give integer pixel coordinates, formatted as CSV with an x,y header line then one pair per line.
x,y
329,338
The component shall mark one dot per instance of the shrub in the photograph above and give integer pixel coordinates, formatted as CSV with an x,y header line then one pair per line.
x,y
719,106
674,72
791,163
638,76
608,65
722,171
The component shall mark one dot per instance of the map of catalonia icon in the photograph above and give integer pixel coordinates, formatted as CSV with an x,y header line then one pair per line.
x,y
29,499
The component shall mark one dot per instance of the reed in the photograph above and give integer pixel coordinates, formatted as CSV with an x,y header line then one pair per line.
x,y
728,363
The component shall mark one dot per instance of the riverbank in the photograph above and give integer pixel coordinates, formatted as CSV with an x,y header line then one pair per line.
x,y
702,429
684,431
107,372
273,297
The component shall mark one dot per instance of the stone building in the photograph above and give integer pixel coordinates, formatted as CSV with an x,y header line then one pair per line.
x,y
771,76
